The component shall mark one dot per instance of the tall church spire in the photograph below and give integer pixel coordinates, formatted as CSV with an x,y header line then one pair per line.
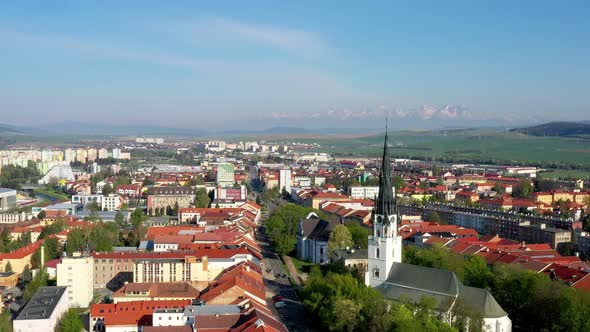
x,y
385,204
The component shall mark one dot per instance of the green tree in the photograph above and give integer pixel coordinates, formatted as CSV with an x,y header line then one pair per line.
x,y
138,217
340,302
119,219
70,322
175,209
398,182
477,273
340,238
434,217
202,199
27,276
6,321
525,188
42,214
360,235
8,267
498,188
25,238
52,248
76,240
38,281
107,189
58,226
282,226
36,258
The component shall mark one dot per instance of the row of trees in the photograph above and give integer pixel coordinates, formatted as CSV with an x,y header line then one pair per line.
x,y
340,302
8,245
14,177
533,301
282,226
104,236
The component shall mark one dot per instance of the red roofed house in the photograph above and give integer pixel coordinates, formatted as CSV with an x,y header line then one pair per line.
x,y
236,284
128,316
316,197
19,258
156,291
129,190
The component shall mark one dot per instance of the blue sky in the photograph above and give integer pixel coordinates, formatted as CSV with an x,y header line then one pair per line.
x,y
256,64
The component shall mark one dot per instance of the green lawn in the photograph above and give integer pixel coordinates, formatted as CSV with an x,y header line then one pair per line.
x,y
53,194
477,145
301,266
565,174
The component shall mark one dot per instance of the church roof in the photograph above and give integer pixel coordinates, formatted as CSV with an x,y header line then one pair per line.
x,y
481,300
385,204
317,229
413,282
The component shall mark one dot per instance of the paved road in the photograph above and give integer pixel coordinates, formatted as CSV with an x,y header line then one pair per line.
x,y
277,282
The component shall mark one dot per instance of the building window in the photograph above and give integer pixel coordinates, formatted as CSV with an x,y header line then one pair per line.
x,y
376,273
377,252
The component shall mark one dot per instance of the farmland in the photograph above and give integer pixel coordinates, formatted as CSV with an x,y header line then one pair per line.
x,y
473,146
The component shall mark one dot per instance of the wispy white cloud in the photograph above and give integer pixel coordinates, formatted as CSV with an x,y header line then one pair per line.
x,y
219,30
270,77
112,51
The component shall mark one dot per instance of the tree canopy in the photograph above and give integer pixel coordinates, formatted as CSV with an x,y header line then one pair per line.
x,y
360,235
340,302
202,199
282,226
70,322
340,238
532,300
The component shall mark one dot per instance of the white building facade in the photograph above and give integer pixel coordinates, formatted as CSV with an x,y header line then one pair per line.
x,y
77,273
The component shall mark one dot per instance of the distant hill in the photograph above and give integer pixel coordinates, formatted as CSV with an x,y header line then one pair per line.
x,y
8,129
557,129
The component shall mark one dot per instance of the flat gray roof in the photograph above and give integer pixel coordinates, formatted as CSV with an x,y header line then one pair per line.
x,y
42,304
193,310
7,191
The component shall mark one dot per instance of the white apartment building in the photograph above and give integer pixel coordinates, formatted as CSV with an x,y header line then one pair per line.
x,y
364,192
285,179
103,153
69,155
111,202
77,273
86,199
116,153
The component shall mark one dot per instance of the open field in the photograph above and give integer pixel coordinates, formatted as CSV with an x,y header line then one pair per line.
x,y
477,146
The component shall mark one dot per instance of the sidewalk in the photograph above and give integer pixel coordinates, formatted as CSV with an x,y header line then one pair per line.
x,y
292,270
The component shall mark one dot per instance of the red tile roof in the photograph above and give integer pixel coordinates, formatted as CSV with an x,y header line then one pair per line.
x,y
133,313
22,252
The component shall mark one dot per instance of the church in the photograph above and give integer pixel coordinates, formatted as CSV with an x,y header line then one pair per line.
x,y
398,281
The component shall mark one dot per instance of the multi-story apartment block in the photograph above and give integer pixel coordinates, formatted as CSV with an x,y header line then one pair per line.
x,y
111,202
225,174
155,202
543,234
77,273
113,269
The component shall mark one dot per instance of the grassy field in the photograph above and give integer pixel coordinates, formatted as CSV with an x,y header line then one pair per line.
x,y
301,266
484,145
564,174
59,196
